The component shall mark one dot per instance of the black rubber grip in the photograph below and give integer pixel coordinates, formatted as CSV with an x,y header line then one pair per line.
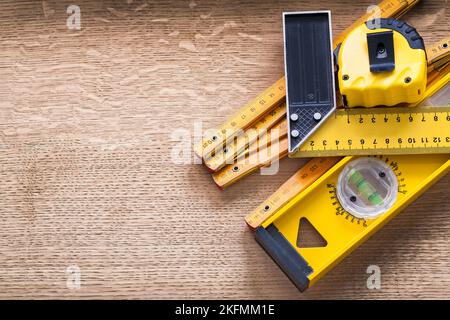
x,y
414,39
282,252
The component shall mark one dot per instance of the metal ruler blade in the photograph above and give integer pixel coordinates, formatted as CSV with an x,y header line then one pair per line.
x,y
402,130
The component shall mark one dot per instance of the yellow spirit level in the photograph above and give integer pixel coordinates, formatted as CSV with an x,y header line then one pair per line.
x,y
321,205
349,202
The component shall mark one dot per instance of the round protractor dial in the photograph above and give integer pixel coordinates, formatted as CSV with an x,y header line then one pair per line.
x,y
367,188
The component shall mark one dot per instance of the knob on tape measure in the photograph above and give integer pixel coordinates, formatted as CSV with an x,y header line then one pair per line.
x,y
367,188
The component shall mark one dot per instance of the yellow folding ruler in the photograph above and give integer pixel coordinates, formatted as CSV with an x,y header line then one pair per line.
x,y
438,56
245,139
345,206
215,140
302,179
265,153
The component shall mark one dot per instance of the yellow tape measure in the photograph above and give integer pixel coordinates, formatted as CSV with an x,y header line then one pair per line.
x,y
345,206
275,94
399,130
302,179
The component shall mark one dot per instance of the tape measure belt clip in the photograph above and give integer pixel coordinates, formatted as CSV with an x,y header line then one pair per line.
x,y
381,62
381,51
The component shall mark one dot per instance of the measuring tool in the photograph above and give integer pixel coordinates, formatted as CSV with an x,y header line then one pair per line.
x,y
391,67
436,94
236,146
261,105
320,142
345,206
316,167
231,174
302,179
244,118
272,147
383,130
438,55
309,69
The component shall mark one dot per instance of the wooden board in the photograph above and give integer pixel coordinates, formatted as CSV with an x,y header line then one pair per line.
x,y
86,176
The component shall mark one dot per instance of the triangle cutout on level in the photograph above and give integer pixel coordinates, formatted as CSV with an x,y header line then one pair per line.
x,y
308,236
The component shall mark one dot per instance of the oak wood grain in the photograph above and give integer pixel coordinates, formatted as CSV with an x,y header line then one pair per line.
x,y
87,122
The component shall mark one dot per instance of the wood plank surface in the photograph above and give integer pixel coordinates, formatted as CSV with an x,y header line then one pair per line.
x,y
89,120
